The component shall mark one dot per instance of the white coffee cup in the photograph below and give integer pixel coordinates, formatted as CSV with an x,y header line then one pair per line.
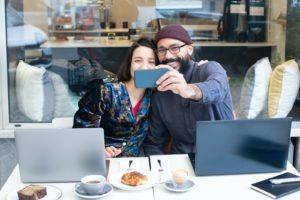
x,y
93,184
179,176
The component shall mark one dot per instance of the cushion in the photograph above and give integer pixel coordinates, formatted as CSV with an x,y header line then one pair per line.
x,y
63,97
34,92
254,91
13,17
284,86
26,35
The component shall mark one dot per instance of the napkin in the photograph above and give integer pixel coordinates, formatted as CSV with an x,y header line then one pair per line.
x,y
165,174
135,165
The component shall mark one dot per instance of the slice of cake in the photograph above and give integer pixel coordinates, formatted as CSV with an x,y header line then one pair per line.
x,y
32,192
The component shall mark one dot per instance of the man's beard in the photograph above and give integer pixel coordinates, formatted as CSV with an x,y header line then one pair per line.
x,y
183,62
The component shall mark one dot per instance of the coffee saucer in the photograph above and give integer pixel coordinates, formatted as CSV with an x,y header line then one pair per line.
x,y
81,193
188,185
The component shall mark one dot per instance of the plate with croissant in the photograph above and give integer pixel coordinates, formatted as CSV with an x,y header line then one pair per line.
x,y
134,180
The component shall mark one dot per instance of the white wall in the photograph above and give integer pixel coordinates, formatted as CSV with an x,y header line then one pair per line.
x,y
277,30
36,13
1,110
2,67
121,10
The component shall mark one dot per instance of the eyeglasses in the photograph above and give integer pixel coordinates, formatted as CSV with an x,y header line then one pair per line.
x,y
172,49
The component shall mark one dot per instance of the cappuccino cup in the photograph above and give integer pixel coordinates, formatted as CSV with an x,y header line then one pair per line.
x,y
179,177
93,184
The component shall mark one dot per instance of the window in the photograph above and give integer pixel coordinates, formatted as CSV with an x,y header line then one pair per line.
x,y
54,48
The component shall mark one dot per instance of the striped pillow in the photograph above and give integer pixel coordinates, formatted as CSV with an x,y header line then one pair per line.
x,y
254,91
284,86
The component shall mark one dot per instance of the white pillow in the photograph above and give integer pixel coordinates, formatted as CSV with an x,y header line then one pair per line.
x,y
34,92
63,106
284,86
255,89
26,35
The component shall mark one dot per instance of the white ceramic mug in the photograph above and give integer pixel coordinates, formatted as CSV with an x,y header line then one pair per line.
x,y
93,184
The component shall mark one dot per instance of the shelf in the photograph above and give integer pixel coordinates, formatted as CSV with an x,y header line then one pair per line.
x,y
102,42
105,42
115,30
234,44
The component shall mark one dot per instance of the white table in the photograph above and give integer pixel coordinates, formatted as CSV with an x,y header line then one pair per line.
x,y
210,187
233,187
14,183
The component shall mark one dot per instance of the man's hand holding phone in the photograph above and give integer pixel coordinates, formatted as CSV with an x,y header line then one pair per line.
x,y
166,78
175,81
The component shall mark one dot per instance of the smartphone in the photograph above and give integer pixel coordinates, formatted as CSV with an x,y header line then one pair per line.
x,y
147,78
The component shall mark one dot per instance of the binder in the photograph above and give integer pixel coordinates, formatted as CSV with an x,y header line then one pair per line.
x,y
256,10
277,191
234,21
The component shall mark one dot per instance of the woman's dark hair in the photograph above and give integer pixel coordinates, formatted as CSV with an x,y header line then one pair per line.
x,y
124,70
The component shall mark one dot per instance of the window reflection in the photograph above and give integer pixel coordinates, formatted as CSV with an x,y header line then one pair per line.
x,y
74,42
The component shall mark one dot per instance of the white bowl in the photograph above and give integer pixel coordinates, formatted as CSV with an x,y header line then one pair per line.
x,y
70,38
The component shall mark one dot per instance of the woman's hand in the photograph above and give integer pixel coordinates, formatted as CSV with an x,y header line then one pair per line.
x,y
112,151
201,62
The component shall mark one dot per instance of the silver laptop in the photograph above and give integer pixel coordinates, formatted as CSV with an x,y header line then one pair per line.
x,y
242,146
60,155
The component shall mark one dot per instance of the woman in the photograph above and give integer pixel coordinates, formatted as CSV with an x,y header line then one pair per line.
x,y
120,108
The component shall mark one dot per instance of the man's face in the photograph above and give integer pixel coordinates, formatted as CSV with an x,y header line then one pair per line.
x,y
174,53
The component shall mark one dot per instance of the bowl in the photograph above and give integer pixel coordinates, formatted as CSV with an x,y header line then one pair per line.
x,y
70,38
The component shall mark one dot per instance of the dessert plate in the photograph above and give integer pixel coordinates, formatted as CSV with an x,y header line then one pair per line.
x,y
107,190
53,193
153,178
188,185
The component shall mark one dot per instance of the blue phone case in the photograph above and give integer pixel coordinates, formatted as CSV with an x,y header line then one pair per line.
x,y
147,78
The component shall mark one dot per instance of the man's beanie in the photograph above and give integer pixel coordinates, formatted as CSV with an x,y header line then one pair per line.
x,y
174,31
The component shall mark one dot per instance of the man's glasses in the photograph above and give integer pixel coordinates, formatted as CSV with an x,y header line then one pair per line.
x,y
172,49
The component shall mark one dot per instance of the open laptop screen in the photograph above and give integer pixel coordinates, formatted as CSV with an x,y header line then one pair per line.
x,y
60,155
242,146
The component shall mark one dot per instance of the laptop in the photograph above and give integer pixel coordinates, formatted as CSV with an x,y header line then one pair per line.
x,y
60,155
242,146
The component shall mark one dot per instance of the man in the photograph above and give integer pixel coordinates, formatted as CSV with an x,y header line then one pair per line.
x,y
187,93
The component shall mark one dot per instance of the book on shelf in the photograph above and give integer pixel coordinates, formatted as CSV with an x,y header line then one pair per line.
x,y
276,191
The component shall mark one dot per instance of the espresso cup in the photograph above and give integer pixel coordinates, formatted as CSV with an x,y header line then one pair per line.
x,y
179,177
93,184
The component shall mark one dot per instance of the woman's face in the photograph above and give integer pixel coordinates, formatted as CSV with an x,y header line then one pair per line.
x,y
142,58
